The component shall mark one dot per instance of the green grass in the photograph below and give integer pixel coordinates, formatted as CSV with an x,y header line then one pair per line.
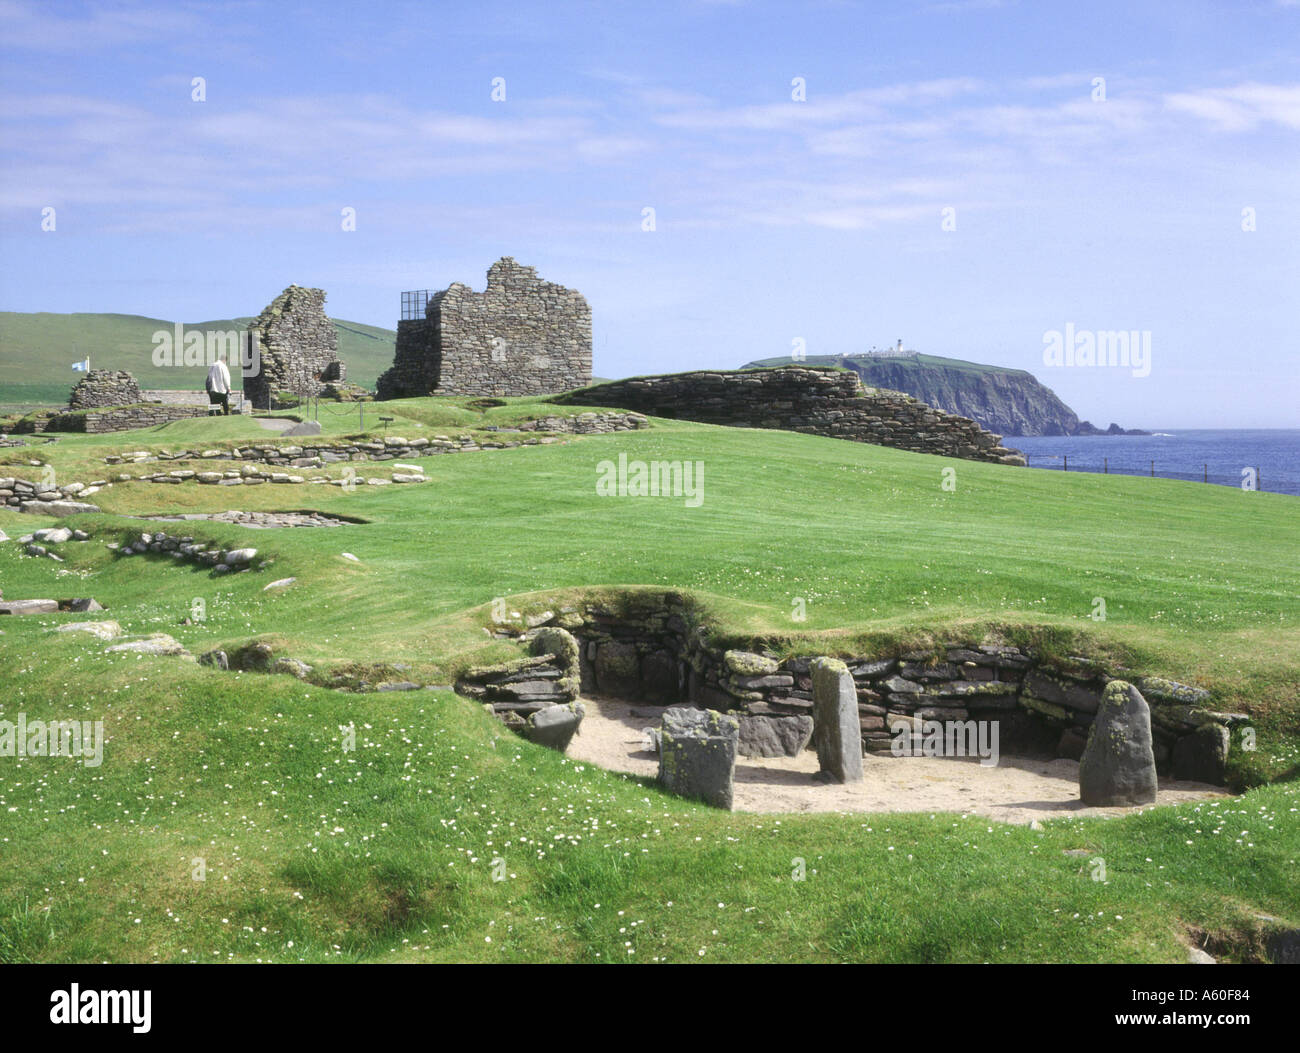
x,y
44,345
247,771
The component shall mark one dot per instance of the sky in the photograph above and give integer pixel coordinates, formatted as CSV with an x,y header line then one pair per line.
x,y
969,177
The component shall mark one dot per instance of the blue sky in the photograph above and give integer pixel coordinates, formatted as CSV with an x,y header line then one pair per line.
x,y
775,219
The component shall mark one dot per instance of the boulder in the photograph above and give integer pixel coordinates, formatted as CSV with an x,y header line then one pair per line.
x,y
1118,766
1061,691
555,726
1202,755
836,731
53,535
771,736
216,658
1162,690
697,754
253,657
57,508
292,666
105,630
84,604
28,606
238,556
156,643
746,663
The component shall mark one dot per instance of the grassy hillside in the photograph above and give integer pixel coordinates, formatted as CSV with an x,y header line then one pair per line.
x,y
37,351
386,853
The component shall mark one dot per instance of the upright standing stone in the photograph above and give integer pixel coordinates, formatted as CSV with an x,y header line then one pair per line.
x,y
836,731
1118,765
697,754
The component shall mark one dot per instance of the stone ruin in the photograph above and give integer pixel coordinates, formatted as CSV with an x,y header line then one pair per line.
x,y
297,351
521,336
105,387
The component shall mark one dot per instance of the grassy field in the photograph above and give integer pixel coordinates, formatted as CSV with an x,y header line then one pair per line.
x,y
44,345
386,853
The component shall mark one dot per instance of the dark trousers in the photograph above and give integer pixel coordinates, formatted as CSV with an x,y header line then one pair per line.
x,y
219,398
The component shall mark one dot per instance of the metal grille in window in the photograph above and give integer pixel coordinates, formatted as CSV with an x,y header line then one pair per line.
x,y
414,303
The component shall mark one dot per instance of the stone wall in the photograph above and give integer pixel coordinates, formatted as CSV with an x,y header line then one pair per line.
x,y
28,495
805,399
415,367
653,647
297,349
123,418
522,336
184,397
105,387
391,447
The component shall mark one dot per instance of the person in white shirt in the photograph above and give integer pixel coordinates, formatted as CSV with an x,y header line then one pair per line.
x,y
218,385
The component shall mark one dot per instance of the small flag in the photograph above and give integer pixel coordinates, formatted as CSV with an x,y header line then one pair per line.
x,y
82,366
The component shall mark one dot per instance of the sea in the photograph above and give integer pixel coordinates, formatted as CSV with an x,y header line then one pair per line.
x,y
1222,457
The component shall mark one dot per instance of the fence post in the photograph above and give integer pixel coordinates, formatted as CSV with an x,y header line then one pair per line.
x,y
1153,469
1065,460
1105,466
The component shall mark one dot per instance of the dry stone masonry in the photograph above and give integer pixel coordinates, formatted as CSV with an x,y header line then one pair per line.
x,y
121,418
186,549
37,498
105,387
536,696
805,399
297,348
652,647
107,400
522,336
390,448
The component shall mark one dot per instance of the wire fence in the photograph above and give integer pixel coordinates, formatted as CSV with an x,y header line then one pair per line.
x,y
1249,477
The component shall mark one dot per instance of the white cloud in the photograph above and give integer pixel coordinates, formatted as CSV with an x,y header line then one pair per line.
x,y
1243,108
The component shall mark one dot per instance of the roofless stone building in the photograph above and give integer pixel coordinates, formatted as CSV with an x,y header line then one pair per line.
x,y
521,336
297,350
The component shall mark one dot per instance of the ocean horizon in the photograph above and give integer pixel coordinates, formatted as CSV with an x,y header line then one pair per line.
x,y
1221,456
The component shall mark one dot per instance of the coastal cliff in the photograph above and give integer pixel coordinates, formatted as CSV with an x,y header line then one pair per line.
x,y
1006,401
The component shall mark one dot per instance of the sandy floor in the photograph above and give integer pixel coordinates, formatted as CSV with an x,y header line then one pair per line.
x,y
1018,790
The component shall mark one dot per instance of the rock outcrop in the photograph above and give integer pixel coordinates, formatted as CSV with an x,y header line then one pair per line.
x,y
829,402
